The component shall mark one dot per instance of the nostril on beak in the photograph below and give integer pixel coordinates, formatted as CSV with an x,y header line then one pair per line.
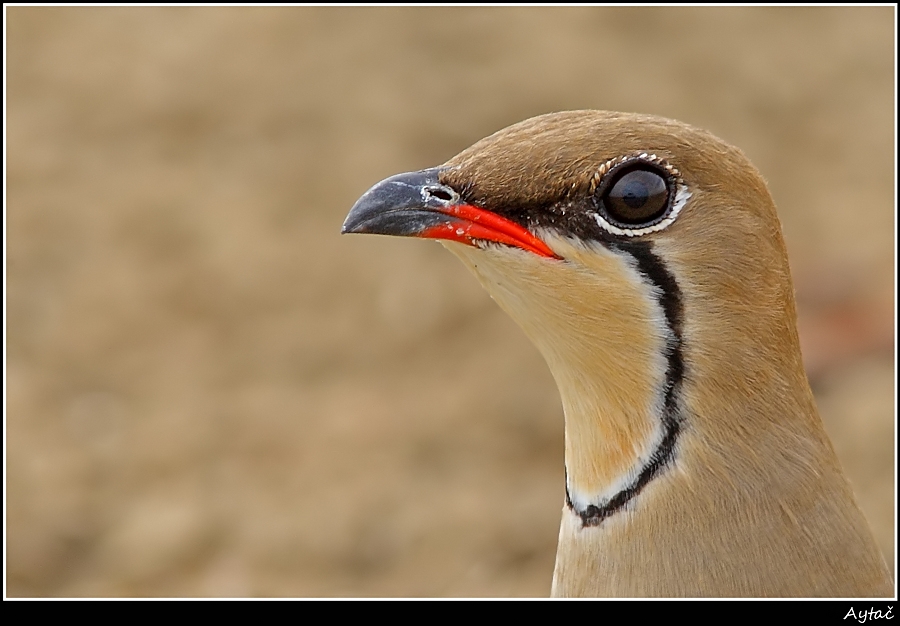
x,y
440,193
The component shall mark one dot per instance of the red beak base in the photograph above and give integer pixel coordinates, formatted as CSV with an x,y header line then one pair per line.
x,y
470,223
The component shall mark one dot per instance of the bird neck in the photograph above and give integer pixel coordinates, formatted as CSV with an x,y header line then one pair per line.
x,y
707,476
601,479
610,338
596,413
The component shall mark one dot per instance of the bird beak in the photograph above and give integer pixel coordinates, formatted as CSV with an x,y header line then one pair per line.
x,y
417,204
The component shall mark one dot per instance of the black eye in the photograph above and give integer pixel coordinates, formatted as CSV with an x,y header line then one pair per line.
x,y
635,194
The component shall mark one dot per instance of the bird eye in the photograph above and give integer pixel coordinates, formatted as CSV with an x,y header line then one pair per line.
x,y
636,193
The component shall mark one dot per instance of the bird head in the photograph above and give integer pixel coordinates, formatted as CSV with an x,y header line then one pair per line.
x,y
636,252
644,258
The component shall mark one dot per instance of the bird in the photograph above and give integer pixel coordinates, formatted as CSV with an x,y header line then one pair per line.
x,y
644,258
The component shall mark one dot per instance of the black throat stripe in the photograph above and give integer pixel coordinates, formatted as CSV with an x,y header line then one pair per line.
x,y
654,270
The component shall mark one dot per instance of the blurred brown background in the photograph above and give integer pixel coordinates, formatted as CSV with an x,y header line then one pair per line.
x,y
210,392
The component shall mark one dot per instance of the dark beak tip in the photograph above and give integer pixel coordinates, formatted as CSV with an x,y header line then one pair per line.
x,y
351,229
394,206
361,213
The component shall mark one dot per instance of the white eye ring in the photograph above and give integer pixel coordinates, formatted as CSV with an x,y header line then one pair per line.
x,y
681,192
